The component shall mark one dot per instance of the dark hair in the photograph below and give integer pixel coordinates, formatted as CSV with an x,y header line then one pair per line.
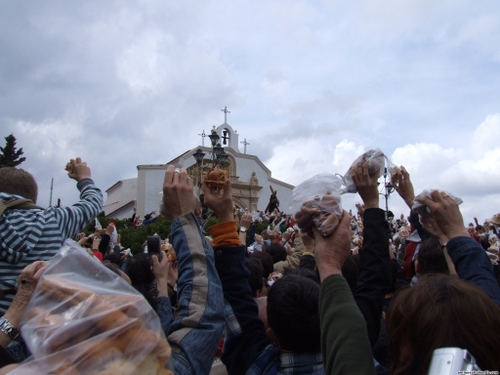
x,y
304,272
292,313
19,182
112,266
442,311
277,252
141,276
266,260
256,277
113,258
431,257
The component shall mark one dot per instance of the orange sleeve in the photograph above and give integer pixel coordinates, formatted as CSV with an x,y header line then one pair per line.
x,y
224,234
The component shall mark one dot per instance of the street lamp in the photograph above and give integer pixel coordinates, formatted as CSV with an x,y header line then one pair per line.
x,y
214,137
223,158
217,151
219,156
388,191
198,156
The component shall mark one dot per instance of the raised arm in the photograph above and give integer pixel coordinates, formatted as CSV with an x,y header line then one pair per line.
x,y
375,269
246,336
197,328
469,258
104,244
74,218
403,185
344,342
245,222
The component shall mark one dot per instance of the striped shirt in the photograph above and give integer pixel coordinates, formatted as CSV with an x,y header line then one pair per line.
x,y
30,235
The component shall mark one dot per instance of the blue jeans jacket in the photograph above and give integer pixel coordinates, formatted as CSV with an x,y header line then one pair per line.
x,y
196,331
472,264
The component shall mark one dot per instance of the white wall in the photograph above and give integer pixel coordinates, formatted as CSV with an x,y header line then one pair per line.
x,y
153,187
246,166
121,194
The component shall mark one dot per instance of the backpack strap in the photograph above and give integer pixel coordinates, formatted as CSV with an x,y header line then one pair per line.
x,y
19,203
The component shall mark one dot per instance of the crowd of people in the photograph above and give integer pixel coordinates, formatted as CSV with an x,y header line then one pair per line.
x,y
379,295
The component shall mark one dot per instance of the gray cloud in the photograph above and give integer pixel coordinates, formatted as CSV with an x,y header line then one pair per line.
x,y
127,83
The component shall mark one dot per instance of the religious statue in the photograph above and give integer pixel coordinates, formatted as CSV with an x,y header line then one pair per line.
x,y
273,201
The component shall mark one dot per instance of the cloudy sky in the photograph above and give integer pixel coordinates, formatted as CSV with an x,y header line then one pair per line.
x,y
311,85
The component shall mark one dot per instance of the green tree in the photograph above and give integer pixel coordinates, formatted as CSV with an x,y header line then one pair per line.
x,y
131,237
9,156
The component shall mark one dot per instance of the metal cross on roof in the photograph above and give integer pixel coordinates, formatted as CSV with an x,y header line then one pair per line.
x,y
203,135
225,114
245,143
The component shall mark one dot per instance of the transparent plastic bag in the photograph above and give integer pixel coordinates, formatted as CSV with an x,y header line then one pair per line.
x,y
316,202
377,161
85,319
425,211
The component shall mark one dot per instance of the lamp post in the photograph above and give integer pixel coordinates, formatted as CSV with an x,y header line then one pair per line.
x,y
388,189
219,156
198,156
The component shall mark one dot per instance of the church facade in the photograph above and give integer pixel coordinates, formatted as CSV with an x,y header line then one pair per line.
x,y
251,181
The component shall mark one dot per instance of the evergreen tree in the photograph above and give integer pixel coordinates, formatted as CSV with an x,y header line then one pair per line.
x,y
9,156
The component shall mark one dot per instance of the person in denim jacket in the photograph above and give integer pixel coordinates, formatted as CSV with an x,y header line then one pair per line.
x,y
470,260
195,332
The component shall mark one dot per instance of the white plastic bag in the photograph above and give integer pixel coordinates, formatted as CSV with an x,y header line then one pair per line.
x,y
316,202
377,161
85,319
425,211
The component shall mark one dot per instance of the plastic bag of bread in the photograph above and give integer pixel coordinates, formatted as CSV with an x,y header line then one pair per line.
x,y
85,319
425,211
316,203
376,162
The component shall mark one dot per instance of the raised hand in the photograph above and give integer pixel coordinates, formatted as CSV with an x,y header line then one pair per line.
x,y
219,200
331,252
178,196
446,213
78,170
403,185
246,220
367,186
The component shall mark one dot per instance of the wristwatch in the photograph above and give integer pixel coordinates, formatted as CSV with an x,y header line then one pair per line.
x,y
243,229
7,328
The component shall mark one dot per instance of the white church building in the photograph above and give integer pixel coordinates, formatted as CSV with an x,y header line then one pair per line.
x,y
251,180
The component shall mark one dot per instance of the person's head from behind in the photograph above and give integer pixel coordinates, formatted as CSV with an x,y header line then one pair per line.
x,y
256,277
277,252
442,311
19,182
113,267
273,234
304,272
292,313
141,276
266,260
431,258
